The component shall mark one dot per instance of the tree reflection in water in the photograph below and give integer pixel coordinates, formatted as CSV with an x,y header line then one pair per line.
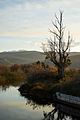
x,y
62,112
3,87
59,112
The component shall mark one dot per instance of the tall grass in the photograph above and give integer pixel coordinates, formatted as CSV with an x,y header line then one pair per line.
x,y
40,76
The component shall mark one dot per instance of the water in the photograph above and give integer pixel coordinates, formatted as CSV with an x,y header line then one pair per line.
x,y
15,107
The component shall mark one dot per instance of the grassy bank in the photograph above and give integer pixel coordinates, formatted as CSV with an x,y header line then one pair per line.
x,y
46,79
41,78
43,82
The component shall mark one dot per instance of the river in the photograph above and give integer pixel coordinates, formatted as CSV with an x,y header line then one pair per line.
x,y
15,107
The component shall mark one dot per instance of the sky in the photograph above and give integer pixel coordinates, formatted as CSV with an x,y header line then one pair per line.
x,y
24,24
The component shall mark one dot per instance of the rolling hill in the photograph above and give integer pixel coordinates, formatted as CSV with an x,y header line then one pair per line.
x,y
28,57
20,57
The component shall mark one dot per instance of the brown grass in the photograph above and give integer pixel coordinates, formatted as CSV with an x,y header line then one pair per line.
x,y
39,76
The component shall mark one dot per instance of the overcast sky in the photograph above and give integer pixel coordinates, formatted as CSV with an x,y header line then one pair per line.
x,y
24,24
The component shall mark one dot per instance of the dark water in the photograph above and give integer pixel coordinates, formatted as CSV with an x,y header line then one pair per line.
x,y
15,107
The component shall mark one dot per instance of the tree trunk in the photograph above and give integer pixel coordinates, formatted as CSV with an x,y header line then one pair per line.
x,y
61,72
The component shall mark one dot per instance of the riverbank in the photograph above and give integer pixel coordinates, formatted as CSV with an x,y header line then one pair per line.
x,y
41,80
42,84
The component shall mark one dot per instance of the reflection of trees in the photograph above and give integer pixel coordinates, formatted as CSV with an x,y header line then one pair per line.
x,y
35,96
4,84
33,104
62,114
3,87
51,115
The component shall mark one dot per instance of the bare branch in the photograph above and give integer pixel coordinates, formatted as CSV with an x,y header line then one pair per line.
x,y
57,49
55,25
57,19
58,37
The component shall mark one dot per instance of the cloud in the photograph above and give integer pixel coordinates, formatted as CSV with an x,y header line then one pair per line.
x,y
22,18
12,3
24,34
32,18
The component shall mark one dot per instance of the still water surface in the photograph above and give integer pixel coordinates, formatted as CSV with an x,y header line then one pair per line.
x,y
15,107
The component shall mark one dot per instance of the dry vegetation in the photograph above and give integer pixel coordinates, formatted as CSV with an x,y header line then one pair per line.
x,y
40,77
11,75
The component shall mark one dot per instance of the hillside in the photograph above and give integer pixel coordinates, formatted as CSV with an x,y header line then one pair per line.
x,y
20,57
27,57
75,61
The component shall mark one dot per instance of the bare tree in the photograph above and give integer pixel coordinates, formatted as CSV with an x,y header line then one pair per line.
x,y
57,48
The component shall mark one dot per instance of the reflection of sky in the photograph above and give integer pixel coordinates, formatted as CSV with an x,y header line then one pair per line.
x,y
31,19
13,107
